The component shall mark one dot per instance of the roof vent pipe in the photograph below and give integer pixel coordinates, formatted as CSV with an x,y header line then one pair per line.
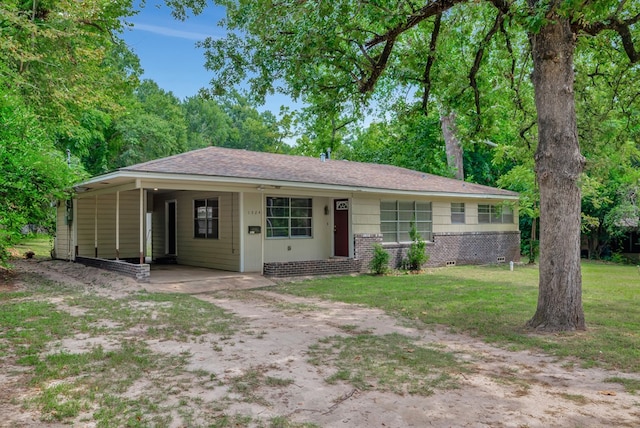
x,y
322,157
328,153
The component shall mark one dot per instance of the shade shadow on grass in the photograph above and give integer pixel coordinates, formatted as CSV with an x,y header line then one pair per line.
x,y
391,362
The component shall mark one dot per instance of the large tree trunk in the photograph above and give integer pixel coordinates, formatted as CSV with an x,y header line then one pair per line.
x,y
558,167
452,145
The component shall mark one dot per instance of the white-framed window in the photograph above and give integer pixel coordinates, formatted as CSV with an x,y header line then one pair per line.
x,y
490,214
396,218
457,213
289,217
206,218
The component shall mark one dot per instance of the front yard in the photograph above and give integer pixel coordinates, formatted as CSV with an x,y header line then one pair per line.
x,y
85,347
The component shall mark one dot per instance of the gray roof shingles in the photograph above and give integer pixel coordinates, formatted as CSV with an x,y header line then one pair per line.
x,y
235,163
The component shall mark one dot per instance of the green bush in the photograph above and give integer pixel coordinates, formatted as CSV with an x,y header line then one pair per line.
x,y
379,264
416,256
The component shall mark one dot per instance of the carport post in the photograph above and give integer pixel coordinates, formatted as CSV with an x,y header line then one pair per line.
x,y
118,225
95,229
141,225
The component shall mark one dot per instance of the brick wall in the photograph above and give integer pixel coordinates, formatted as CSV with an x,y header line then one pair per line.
x,y
363,244
312,267
460,248
141,272
474,248
398,252
470,248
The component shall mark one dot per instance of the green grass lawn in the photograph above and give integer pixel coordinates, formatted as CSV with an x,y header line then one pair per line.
x,y
41,245
494,303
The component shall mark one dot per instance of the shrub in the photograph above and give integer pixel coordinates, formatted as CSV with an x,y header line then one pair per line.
x,y
379,264
416,256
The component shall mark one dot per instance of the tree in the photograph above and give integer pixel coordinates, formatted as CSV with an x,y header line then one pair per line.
x,y
421,147
322,129
207,123
607,111
58,54
34,173
248,128
153,127
348,47
91,133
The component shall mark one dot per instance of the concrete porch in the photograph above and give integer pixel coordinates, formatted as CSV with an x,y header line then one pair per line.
x,y
194,280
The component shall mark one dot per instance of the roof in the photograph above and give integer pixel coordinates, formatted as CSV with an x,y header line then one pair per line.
x,y
242,164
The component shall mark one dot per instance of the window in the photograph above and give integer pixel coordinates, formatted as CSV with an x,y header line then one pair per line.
x,y
494,214
396,218
289,217
206,218
457,213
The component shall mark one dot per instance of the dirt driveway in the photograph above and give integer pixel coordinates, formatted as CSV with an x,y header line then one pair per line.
x,y
500,388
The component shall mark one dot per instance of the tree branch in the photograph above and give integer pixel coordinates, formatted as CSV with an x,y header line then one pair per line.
x,y
622,27
389,39
414,19
378,67
426,77
99,28
507,41
512,74
523,132
502,6
478,59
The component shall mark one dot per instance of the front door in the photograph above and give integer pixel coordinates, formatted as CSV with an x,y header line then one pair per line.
x,y
341,228
171,228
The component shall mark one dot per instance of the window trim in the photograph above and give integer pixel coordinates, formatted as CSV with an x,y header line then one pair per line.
x,y
214,220
427,235
289,207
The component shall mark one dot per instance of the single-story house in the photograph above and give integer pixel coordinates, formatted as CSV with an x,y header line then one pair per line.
x,y
279,215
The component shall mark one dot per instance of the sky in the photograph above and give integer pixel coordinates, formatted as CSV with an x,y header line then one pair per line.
x,y
167,51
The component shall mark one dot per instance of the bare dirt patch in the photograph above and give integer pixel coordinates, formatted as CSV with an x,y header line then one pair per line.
x,y
264,374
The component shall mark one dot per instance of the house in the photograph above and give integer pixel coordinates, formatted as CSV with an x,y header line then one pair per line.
x,y
280,215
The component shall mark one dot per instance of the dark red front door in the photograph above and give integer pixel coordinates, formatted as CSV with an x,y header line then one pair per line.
x,y
341,227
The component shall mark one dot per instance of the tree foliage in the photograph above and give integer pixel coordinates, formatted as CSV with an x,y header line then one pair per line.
x,y
412,141
249,129
34,173
57,54
153,127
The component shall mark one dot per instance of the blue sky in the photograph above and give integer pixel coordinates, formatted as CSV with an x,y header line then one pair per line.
x,y
167,51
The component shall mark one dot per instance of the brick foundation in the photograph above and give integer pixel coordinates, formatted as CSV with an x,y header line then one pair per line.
x,y
363,244
474,248
470,248
312,267
141,272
